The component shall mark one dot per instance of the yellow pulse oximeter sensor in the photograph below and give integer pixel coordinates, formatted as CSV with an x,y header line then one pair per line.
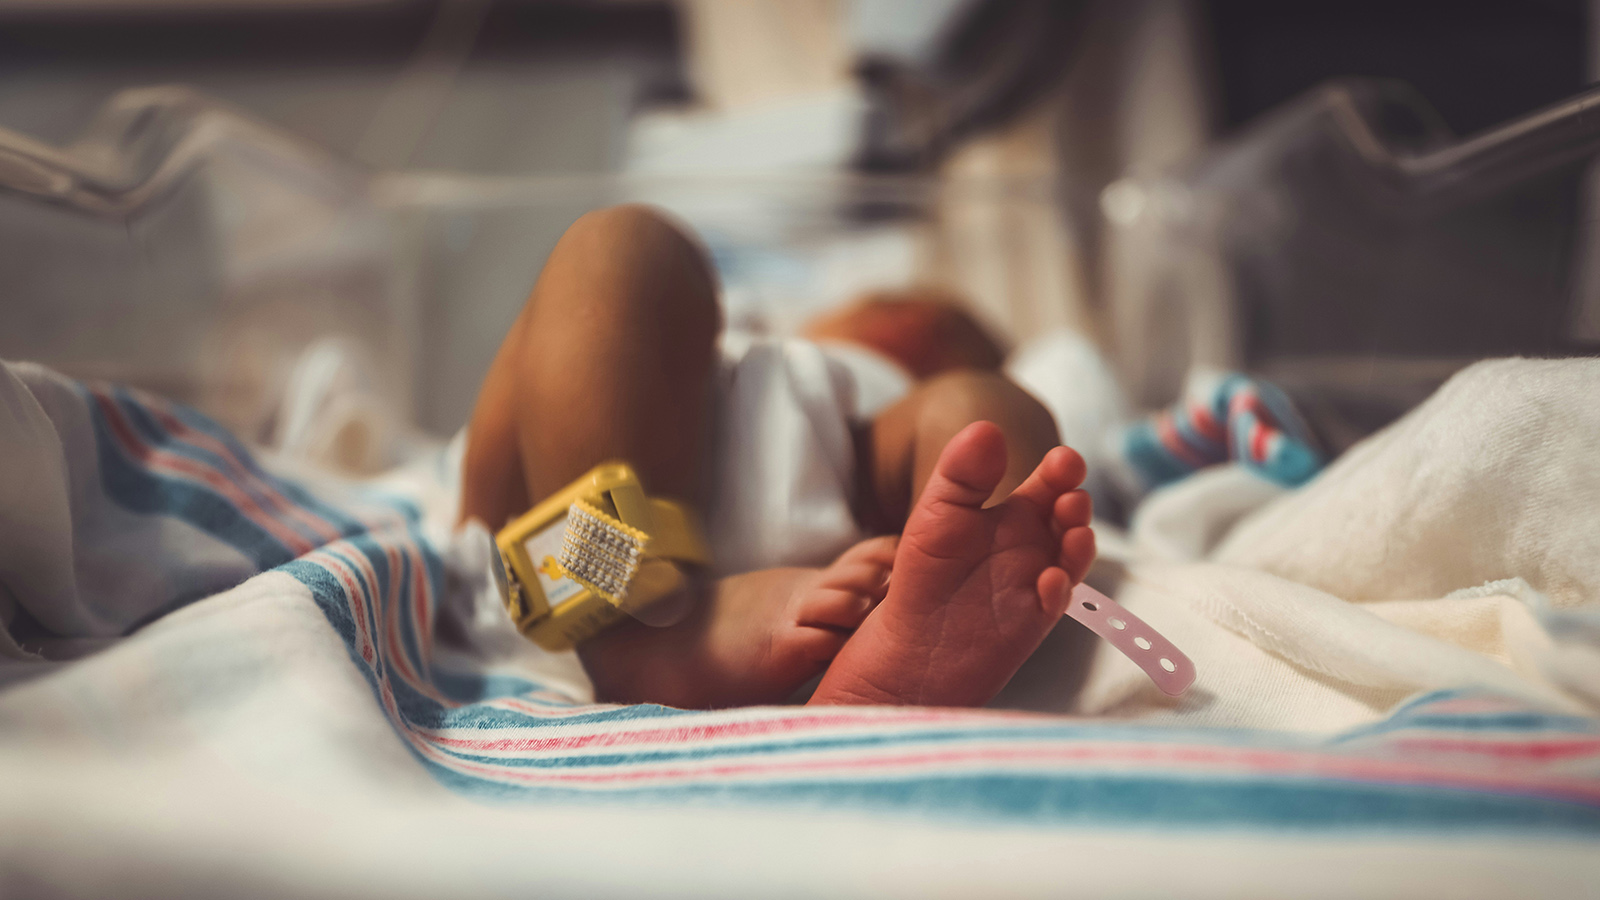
x,y
594,552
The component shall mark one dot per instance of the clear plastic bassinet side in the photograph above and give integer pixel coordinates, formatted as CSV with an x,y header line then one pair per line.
x,y
1350,241
182,247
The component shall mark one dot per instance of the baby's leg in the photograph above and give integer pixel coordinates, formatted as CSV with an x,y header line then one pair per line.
x,y
906,439
612,359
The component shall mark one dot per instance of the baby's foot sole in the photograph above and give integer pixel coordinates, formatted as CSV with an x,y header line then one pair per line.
x,y
974,589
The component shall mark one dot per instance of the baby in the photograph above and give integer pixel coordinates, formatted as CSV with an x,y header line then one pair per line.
x,y
613,357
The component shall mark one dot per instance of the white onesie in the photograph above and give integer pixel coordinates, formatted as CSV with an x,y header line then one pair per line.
x,y
782,464
782,454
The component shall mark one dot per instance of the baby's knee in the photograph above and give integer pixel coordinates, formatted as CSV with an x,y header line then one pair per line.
x,y
637,237
641,267
632,219
957,399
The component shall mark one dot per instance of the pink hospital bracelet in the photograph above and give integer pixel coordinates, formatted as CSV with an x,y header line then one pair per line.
x,y
1158,657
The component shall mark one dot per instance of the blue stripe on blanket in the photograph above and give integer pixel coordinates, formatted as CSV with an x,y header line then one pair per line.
x,y
132,484
377,581
240,455
1064,800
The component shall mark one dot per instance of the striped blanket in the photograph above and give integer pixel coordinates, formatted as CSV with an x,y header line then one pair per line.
x,y
210,641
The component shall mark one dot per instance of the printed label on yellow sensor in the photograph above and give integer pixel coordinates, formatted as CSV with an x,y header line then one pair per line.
x,y
543,548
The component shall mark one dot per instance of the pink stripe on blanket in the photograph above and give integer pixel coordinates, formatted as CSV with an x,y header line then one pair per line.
x,y
1505,749
241,473
176,465
1194,759
1205,423
1167,431
783,725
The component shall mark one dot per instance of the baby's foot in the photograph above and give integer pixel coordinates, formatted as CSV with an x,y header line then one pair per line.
x,y
754,638
974,590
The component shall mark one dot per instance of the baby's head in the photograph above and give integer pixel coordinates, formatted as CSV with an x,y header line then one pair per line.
x,y
923,329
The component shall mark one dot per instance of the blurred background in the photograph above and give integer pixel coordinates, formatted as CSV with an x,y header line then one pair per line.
x,y
228,200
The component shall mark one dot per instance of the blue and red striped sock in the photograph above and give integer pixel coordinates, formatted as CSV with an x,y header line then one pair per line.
x,y
1236,418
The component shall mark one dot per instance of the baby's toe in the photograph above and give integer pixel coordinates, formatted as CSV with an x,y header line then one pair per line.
x,y
1077,552
843,593
815,647
874,551
968,469
1072,509
1064,468
1060,471
831,607
1053,585
870,579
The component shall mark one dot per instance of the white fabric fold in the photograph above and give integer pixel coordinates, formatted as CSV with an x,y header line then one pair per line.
x,y
1443,552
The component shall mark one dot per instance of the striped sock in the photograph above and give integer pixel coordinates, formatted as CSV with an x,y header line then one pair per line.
x,y
1236,418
